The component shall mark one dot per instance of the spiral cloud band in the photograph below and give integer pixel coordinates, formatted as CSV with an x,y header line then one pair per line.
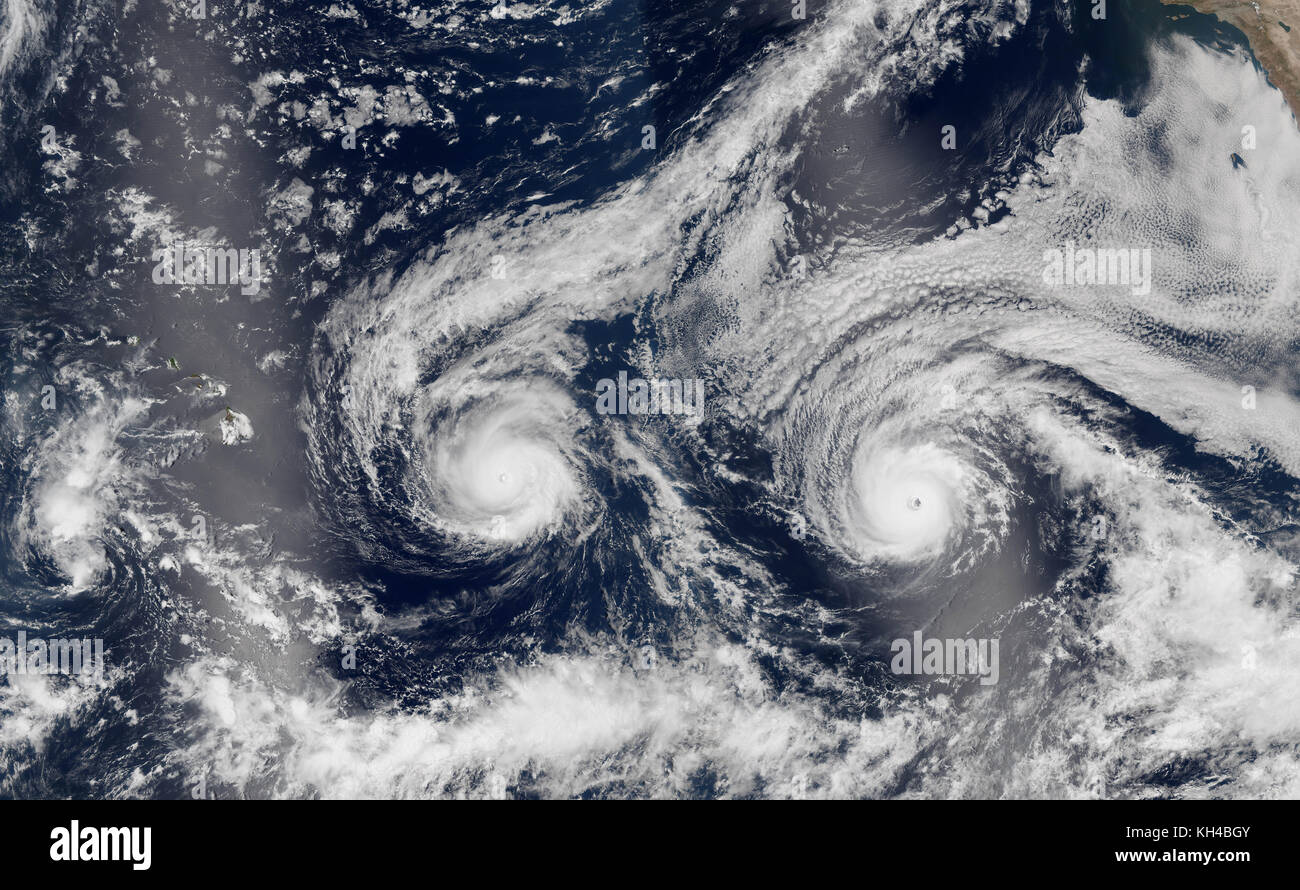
x,y
602,420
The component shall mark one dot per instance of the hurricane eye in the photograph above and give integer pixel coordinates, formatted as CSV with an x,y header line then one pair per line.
x,y
502,467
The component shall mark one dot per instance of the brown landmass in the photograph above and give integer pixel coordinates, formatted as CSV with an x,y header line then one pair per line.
x,y
1277,49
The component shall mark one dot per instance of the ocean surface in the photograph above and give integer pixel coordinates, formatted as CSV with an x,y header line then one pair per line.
x,y
360,528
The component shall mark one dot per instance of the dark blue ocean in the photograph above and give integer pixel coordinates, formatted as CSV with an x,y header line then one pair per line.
x,y
364,533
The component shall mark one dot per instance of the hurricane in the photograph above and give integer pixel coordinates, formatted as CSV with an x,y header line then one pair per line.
x,y
991,308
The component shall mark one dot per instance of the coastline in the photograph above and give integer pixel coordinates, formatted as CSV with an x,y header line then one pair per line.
x,y
1265,24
